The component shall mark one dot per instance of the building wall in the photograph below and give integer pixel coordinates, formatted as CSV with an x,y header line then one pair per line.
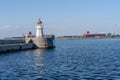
x,y
95,35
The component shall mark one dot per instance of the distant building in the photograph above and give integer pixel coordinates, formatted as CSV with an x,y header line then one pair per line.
x,y
88,34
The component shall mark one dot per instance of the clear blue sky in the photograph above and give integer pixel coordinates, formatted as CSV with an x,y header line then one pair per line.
x,y
60,17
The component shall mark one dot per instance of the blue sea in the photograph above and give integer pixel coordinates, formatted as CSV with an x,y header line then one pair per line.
x,y
76,59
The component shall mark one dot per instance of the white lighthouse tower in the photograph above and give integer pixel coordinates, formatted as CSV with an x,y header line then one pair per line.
x,y
39,32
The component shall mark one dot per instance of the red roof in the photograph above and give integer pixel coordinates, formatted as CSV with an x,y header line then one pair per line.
x,y
39,22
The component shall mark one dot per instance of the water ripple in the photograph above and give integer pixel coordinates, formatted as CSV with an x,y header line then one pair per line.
x,y
85,59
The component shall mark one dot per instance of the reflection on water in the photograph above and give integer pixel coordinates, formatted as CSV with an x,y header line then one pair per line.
x,y
86,59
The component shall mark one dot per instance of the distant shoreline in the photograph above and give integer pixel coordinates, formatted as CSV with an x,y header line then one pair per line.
x,y
81,37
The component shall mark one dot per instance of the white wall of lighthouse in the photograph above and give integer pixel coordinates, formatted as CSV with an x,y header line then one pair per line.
x,y
39,32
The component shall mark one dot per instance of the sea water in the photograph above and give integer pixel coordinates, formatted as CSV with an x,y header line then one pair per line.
x,y
76,59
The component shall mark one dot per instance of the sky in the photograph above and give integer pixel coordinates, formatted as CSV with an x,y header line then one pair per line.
x,y
59,17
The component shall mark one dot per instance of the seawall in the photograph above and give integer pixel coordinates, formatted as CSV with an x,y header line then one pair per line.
x,y
8,45
16,47
45,42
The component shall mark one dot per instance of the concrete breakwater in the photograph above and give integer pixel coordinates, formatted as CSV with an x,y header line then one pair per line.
x,y
14,44
42,42
16,47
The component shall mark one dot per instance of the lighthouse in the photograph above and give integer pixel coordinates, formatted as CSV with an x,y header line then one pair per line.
x,y
41,40
39,32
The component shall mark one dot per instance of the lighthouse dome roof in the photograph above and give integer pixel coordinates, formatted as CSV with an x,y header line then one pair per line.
x,y
39,22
